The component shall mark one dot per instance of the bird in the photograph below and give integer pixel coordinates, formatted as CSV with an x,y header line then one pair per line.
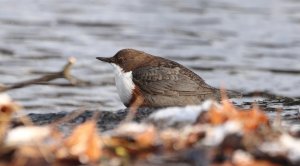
x,y
157,81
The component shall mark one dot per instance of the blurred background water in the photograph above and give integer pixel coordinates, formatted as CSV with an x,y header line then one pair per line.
x,y
240,44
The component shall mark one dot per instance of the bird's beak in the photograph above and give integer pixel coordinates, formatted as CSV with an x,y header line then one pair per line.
x,y
104,59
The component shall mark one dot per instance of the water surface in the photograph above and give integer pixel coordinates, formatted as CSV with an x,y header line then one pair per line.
x,y
240,44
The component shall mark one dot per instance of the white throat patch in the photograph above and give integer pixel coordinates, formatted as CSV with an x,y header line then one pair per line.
x,y
124,83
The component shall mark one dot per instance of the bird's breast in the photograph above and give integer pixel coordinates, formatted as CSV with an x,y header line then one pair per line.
x,y
124,84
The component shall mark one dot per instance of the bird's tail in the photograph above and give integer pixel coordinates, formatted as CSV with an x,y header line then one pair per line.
x,y
233,94
227,93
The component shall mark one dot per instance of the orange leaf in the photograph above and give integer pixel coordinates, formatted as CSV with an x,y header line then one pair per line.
x,y
84,142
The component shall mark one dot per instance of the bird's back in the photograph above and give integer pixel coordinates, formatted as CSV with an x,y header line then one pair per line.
x,y
167,83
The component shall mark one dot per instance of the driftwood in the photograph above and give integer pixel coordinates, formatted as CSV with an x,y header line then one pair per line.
x,y
64,73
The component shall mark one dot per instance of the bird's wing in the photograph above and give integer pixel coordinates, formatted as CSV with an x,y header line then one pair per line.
x,y
169,82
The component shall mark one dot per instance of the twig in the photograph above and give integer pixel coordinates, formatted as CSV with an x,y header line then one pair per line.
x,y
133,108
74,114
64,73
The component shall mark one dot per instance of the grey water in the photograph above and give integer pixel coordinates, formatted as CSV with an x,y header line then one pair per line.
x,y
238,44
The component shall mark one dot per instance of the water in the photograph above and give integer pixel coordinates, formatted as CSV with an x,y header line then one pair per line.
x,y
240,44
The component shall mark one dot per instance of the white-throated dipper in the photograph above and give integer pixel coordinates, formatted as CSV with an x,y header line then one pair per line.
x,y
159,81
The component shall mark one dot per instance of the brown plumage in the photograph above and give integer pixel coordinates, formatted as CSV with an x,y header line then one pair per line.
x,y
163,82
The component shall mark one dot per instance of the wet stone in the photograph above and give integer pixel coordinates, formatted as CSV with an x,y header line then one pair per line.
x,y
105,121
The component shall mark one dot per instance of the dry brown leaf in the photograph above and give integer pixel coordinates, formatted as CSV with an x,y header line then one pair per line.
x,y
133,139
174,140
250,119
84,142
31,156
7,108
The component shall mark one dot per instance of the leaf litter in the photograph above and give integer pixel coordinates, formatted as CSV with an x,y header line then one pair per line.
x,y
214,134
